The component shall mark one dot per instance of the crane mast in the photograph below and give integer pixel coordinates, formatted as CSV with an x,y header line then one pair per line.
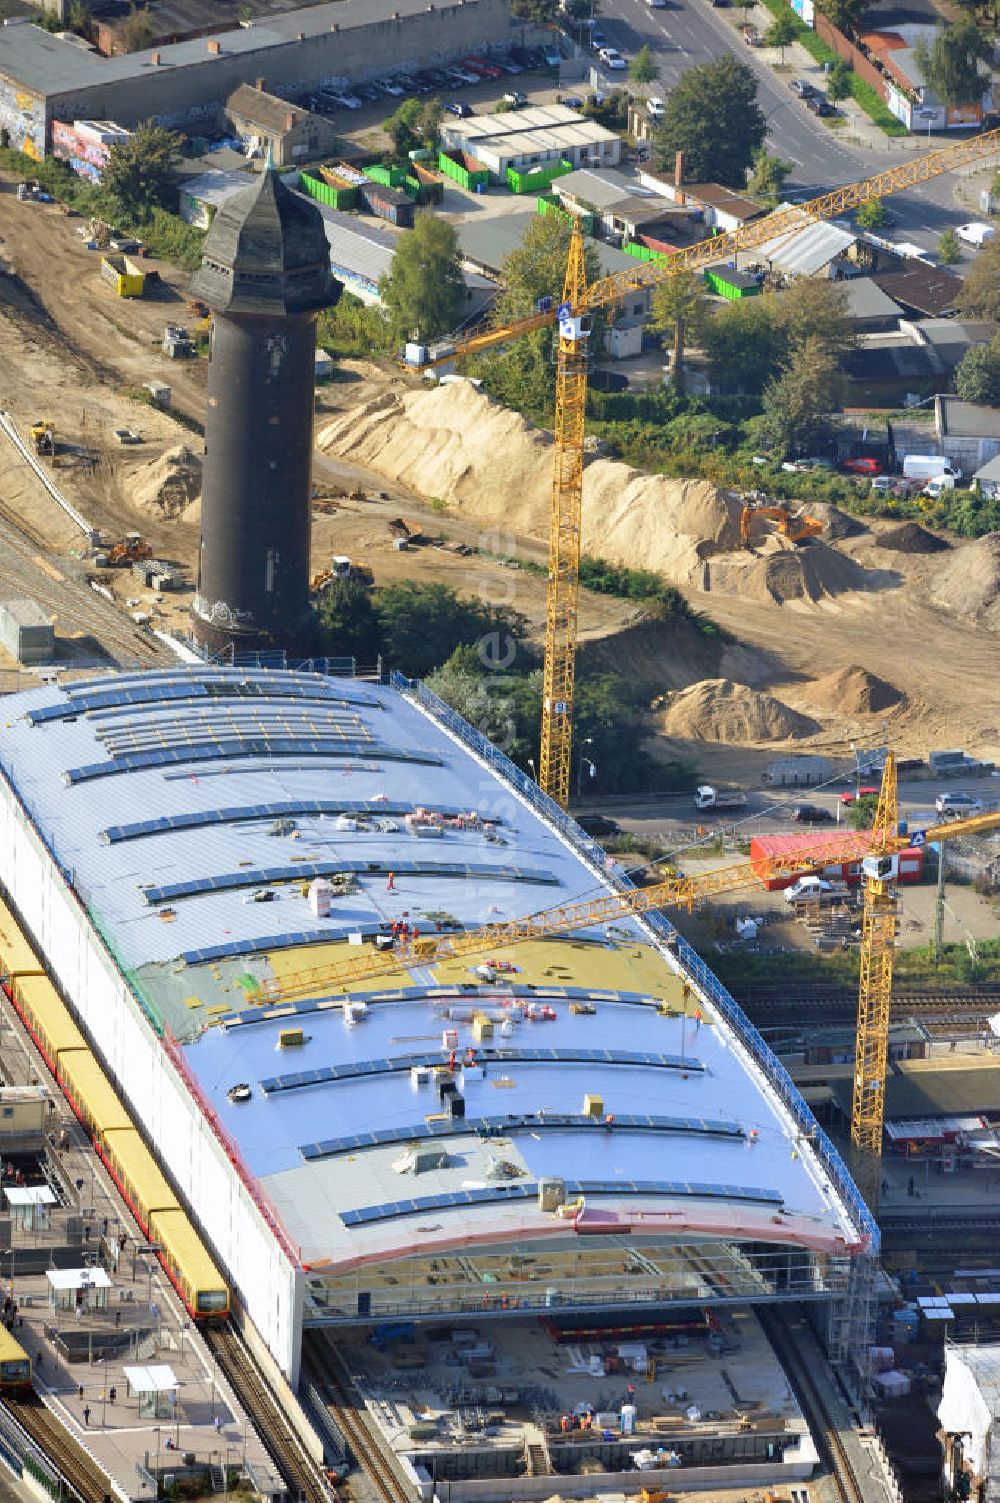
x,y
564,530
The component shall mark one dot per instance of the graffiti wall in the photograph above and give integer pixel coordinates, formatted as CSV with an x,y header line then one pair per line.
x,y
22,118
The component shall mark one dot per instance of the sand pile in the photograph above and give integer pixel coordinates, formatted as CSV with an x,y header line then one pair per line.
x,y
169,485
910,537
802,574
718,709
969,583
456,443
854,691
837,524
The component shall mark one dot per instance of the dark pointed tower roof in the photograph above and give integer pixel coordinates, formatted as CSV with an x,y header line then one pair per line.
x,y
266,253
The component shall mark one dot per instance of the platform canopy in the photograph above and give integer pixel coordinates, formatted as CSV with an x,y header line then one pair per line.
x,y
156,1379
29,1195
63,1279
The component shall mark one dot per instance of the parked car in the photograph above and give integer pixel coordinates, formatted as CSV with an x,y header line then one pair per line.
x,y
551,55
751,35
572,101
958,805
366,93
869,467
462,76
515,99
509,65
598,824
655,108
865,792
436,77
807,887
812,814
975,233
389,86
657,4
801,87
456,107
820,105
612,59
482,66
345,101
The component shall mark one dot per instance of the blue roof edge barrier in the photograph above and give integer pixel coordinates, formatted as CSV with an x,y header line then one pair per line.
x,y
760,1052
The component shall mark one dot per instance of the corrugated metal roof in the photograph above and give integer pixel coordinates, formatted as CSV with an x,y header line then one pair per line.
x,y
804,252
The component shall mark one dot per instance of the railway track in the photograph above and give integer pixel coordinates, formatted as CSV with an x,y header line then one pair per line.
x,y
304,1480
82,1475
362,1435
757,1001
850,1487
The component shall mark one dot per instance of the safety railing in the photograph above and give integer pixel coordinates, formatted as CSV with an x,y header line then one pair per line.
x,y
776,1074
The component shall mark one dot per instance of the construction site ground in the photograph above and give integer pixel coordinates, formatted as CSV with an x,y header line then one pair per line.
x,y
78,351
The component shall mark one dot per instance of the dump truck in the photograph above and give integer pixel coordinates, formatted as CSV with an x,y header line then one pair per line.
x,y
707,797
124,275
43,436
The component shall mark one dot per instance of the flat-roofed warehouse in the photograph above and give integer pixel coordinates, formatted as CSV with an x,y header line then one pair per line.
x,y
162,832
44,77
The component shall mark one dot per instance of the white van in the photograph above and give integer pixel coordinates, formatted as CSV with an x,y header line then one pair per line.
x,y
929,467
807,887
936,488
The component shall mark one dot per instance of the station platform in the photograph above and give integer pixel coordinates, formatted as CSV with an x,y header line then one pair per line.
x,y
91,1304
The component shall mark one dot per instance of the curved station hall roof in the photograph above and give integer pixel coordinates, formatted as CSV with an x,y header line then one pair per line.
x,y
194,808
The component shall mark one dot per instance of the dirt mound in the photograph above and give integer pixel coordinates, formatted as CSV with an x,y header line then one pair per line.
x,y
455,443
803,574
837,524
169,485
969,583
910,537
854,691
718,709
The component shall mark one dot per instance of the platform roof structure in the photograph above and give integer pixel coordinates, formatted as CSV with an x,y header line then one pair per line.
x,y
193,808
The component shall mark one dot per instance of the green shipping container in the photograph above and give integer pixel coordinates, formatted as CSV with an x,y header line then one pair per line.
x,y
549,204
389,177
642,252
465,171
538,180
325,193
725,282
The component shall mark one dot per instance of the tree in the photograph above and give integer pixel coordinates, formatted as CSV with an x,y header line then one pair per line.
x,y
680,311
352,327
417,123
346,621
816,308
644,66
768,177
136,29
838,83
713,117
522,376
872,215
798,402
861,812
425,291
539,12
980,296
949,250
140,173
843,13
422,624
745,346
977,378
782,31
950,65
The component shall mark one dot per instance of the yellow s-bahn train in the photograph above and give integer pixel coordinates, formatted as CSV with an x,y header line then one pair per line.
x,y
15,1365
99,1107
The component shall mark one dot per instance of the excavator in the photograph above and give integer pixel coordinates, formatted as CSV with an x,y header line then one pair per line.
x,y
797,527
43,436
133,549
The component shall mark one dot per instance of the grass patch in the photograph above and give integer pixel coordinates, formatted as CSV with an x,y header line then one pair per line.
x,y
915,967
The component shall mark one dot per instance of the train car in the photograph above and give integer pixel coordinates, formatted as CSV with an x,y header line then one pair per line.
x,y
89,1093
15,1364
136,1173
46,1017
17,958
191,1270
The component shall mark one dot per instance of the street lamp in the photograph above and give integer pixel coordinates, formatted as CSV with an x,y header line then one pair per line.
x,y
588,741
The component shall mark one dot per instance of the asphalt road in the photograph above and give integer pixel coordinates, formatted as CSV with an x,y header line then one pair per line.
x,y
688,32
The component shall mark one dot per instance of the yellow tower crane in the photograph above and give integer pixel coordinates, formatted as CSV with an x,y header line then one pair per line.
x,y
578,303
878,852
